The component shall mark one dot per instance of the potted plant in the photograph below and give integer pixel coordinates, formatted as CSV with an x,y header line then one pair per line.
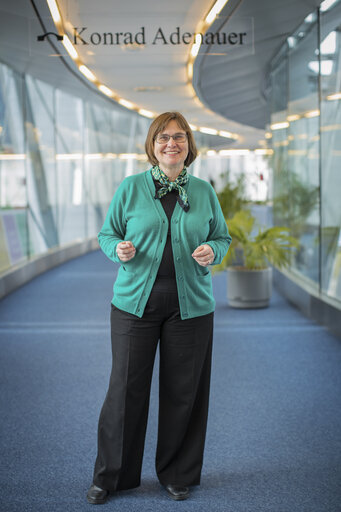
x,y
249,258
232,196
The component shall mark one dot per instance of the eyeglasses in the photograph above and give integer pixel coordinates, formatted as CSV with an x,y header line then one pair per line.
x,y
163,138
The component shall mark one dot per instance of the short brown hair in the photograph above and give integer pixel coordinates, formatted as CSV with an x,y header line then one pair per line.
x,y
159,124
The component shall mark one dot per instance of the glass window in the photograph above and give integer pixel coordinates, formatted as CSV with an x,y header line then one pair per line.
x,y
13,199
41,169
70,169
303,152
331,151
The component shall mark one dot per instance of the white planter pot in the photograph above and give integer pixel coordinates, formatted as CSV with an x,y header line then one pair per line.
x,y
249,288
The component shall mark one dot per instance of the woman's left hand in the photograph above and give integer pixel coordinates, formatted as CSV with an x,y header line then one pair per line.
x,y
203,255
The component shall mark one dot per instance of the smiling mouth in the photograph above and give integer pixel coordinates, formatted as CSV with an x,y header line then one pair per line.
x,y
171,152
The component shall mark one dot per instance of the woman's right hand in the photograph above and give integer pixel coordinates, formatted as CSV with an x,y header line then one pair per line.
x,y
125,251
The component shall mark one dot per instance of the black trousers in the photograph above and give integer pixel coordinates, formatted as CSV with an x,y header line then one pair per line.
x,y
184,380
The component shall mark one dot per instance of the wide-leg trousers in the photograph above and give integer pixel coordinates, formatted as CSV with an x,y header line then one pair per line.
x,y
184,381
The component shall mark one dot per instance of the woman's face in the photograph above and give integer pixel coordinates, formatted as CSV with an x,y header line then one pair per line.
x,y
171,154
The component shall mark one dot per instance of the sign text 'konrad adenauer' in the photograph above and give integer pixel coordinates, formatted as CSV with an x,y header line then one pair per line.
x,y
81,36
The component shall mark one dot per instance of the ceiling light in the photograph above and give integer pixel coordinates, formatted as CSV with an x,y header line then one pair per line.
x,y
223,133
54,11
231,152
293,117
262,151
126,103
291,41
190,70
127,156
268,135
87,73
279,126
335,96
211,152
69,156
18,156
328,45
69,48
326,67
196,46
327,4
208,131
215,10
193,127
312,113
94,156
146,113
106,90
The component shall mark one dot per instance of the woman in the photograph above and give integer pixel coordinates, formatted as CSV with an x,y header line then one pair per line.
x,y
164,227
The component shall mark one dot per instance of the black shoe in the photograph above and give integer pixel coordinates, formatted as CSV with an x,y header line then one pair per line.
x,y
177,492
96,495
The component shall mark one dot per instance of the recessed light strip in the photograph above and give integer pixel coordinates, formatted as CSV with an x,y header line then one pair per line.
x,y
87,73
70,48
54,11
105,90
56,16
126,103
193,53
17,156
217,7
295,117
208,131
279,126
145,113
335,96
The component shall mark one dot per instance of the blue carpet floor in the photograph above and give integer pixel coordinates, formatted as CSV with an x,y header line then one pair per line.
x,y
274,431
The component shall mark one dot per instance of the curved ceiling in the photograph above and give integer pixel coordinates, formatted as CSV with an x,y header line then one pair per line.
x,y
153,76
233,84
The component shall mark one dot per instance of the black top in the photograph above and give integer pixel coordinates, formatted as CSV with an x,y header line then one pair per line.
x,y
168,202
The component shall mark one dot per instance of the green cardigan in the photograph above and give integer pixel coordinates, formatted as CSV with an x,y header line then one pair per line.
x,y
135,215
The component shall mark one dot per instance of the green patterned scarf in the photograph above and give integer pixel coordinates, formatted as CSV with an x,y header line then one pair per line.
x,y
168,186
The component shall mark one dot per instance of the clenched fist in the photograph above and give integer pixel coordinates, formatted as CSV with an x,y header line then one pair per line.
x,y
203,255
125,251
